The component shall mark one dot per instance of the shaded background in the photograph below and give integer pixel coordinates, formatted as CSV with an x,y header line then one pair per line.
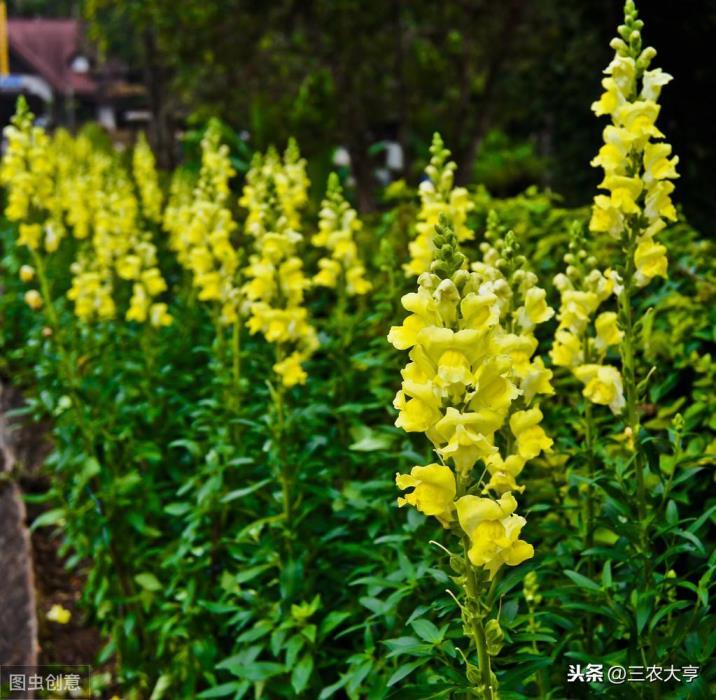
x,y
508,83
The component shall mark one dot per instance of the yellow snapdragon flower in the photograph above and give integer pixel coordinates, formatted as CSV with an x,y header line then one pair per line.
x,y
274,193
33,299
29,173
57,613
27,169
494,531
637,168
584,337
433,492
603,385
337,225
469,370
118,249
201,228
27,273
144,170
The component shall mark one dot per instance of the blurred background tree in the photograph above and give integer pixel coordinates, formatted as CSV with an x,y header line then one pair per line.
x,y
509,84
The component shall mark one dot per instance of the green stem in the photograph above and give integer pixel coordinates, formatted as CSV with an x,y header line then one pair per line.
x,y
72,382
476,626
538,675
236,359
283,471
589,434
627,349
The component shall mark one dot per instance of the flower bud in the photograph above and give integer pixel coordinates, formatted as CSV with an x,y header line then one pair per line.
x,y
457,564
27,273
494,636
33,299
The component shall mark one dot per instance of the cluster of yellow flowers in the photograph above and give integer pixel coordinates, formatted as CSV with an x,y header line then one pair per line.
x,y
200,226
144,169
338,222
582,341
276,190
438,196
64,183
29,174
119,247
471,376
637,170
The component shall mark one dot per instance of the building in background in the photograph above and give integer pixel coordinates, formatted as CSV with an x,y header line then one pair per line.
x,y
51,62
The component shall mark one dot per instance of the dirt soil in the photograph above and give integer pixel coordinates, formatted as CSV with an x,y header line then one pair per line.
x,y
24,447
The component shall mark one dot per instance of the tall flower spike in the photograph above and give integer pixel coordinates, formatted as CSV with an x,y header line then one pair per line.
x,y
201,228
28,171
583,337
117,249
438,196
144,169
337,225
469,386
459,389
638,166
274,194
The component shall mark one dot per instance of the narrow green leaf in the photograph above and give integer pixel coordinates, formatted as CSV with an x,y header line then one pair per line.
x,y
405,670
301,673
148,581
581,581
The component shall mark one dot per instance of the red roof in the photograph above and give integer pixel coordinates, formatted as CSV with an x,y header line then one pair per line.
x,y
49,46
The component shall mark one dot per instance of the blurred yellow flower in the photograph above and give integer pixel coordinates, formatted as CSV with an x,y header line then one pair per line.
x,y
59,614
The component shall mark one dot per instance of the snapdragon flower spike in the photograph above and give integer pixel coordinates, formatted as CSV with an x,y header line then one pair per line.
x,y
438,197
522,308
463,389
115,248
146,179
337,225
201,226
637,163
274,194
62,183
29,172
583,337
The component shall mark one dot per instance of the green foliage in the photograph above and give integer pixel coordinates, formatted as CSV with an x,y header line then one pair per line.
x,y
171,498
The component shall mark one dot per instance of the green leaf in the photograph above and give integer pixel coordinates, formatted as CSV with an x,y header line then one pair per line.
x,y
177,508
643,611
221,691
427,631
50,517
250,573
691,538
332,620
695,526
408,645
257,671
240,493
193,448
369,440
293,648
302,673
607,574
672,513
581,581
405,670
148,581
163,683
332,689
